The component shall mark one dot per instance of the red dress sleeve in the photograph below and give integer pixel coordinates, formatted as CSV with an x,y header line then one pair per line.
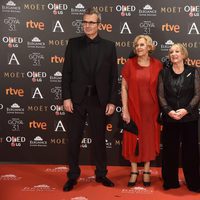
x,y
126,70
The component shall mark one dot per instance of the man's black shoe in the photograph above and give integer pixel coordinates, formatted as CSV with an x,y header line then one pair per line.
x,y
197,190
69,185
105,181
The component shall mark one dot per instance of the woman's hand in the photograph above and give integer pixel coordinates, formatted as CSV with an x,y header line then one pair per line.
x,y
181,112
178,114
173,114
126,116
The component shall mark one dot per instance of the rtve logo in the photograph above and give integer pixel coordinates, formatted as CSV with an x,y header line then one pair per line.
x,y
171,28
35,25
57,59
38,125
105,27
16,92
121,60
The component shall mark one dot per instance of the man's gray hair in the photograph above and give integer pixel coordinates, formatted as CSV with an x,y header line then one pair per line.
x,y
90,11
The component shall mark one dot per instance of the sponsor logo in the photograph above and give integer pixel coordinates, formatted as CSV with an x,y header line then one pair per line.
x,y
191,45
125,10
79,198
147,11
167,45
119,142
39,188
36,94
58,42
58,141
15,109
13,42
34,7
137,190
109,127
1,106
35,25
14,75
85,142
11,7
57,92
36,43
108,144
87,179
57,27
170,10
59,126
171,28
56,78
38,125
193,29
36,76
78,26
12,60
12,22
38,142
36,58
10,177
78,10
37,108
15,141
124,28
105,9
193,62
57,8
14,92
165,59
147,26
15,124
105,27
57,169
58,109
193,11
57,59
124,43
121,60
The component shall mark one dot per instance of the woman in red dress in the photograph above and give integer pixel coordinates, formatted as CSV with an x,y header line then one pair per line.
x,y
140,103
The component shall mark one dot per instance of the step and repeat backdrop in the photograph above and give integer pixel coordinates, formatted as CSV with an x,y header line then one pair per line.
x,y
34,35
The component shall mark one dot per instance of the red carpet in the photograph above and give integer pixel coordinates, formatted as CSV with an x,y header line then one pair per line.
x,y
38,182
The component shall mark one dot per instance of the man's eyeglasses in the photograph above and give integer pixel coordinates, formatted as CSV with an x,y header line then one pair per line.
x,y
90,23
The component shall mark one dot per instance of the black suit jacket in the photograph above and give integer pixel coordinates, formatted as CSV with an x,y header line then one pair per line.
x,y
188,95
75,75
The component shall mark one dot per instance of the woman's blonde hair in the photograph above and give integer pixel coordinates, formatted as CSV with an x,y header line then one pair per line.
x,y
148,40
182,48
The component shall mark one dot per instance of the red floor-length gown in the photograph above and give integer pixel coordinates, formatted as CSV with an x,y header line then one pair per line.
x,y
143,108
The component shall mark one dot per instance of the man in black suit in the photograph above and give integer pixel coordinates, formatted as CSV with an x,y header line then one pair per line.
x,y
89,87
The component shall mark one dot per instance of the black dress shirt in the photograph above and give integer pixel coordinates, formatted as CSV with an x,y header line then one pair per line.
x,y
92,55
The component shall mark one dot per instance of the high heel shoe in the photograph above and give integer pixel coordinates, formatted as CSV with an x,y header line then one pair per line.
x,y
131,184
146,183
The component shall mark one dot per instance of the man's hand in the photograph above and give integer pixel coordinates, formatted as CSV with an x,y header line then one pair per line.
x,y
110,108
68,105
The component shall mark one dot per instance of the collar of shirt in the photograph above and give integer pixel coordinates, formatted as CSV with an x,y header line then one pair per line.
x,y
95,40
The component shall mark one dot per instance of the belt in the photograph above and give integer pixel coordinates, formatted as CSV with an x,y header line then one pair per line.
x,y
90,90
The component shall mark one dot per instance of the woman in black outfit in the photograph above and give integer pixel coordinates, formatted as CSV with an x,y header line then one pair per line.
x,y
179,96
